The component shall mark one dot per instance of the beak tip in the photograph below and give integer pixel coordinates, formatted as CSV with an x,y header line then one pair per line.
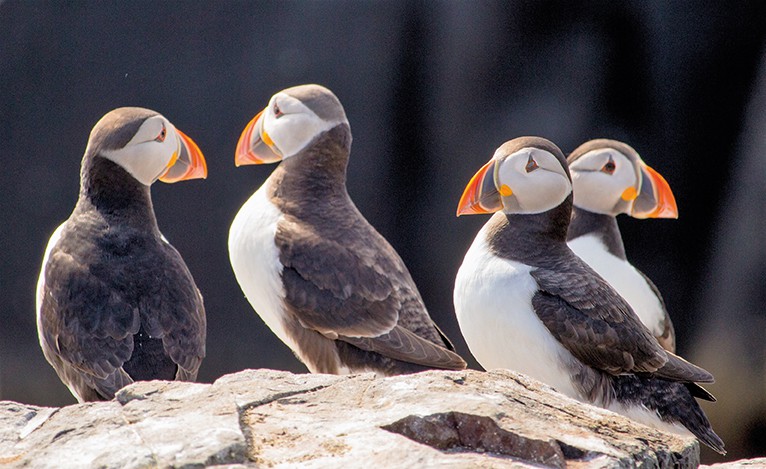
x,y
666,202
251,147
474,201
464,209
193,159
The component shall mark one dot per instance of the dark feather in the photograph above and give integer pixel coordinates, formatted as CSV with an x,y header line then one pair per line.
x,y
594,323
404,345
342,279
678,369
674,403
605,228
699,392
578,307
118,302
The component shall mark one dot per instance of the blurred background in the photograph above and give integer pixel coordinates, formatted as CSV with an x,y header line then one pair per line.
x,y
430,89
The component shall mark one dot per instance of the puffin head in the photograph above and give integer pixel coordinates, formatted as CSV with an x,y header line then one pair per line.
x,y
294,118
146,145
610,178
525,175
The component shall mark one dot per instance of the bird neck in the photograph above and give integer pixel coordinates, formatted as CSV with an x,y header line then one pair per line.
x,y
530,238
604,227
108,188
318,170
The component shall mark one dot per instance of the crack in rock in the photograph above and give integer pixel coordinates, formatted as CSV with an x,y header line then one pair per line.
x,y
244,410
457,431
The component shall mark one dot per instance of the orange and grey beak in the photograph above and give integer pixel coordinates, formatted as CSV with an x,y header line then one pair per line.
x,y
655,200
481,195
255,146
187,163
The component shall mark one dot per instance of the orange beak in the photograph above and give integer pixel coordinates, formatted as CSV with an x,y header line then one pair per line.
x,y
655,200
188,163
481,195
254,145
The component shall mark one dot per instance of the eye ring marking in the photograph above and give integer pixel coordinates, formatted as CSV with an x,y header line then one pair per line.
x,y
531,165
277,112
163,133
609,167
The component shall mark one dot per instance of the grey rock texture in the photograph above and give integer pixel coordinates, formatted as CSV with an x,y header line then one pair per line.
x,y
741,464
264,418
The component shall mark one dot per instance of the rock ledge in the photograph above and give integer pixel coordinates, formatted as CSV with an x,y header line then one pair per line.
x,y
269,418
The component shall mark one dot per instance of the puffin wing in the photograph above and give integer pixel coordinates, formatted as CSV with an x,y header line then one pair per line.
x,y
175,313
668,338
402,344
362,299
85,324
598,327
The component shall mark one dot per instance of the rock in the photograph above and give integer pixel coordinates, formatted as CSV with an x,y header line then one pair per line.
x,y
269,418
741,464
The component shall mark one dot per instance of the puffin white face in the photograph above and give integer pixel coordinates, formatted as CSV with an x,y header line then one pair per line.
x,y
528,180
609,177
605,181
288,125
149,153
159,151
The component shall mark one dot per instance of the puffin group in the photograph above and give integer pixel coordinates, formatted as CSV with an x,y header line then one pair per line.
x,y
545,289
525,301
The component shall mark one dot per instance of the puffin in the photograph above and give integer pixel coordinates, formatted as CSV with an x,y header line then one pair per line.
x,y
325,282
115,301
609,178
524,301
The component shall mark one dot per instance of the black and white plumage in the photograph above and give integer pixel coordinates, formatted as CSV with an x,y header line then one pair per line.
x,y
115,301
526,302
610,178
319,275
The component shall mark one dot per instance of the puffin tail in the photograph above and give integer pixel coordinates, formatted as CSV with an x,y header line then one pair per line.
x,y
699,392
673,403
713,441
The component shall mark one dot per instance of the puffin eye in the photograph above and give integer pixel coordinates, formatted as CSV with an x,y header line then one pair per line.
x,y
531,165
162,135
609,167
277,112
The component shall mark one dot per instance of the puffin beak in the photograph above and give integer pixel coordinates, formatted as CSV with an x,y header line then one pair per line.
x,y
255,146
481,194
187,163
655,200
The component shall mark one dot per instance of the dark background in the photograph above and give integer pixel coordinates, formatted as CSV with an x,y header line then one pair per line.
x,y
430,89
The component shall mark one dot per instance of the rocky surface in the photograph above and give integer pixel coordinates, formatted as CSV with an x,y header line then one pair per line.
x,y
741,464
264,418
